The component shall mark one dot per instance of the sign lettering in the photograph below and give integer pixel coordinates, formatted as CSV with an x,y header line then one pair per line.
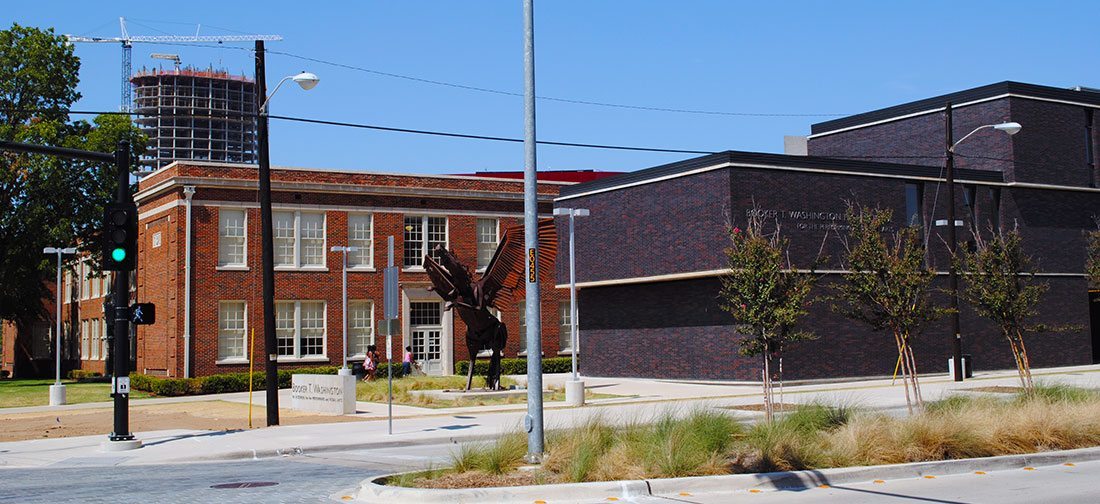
x,y
532,265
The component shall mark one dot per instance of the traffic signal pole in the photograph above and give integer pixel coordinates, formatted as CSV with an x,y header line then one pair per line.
x,y
120,348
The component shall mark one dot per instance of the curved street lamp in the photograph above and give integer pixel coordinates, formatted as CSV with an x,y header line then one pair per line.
x,y
1011,128
307,81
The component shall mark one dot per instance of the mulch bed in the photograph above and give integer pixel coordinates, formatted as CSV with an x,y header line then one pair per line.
x,y
760,407
996,389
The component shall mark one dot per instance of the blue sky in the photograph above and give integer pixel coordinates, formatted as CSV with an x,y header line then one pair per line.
x,y
783,57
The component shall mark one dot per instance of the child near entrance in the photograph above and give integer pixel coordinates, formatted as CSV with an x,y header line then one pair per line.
x,y
409,362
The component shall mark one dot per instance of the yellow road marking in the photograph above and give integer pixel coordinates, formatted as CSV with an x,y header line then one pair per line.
x,y
754,490
979,472
1029,468
1069,464
685,494
879,481
929,477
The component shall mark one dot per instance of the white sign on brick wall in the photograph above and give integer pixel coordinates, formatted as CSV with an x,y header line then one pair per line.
x,y
331,394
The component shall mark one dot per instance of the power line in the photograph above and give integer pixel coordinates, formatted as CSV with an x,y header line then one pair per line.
x,y
395,130
547,98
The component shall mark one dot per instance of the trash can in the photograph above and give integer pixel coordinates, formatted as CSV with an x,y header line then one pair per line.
x,y
359,372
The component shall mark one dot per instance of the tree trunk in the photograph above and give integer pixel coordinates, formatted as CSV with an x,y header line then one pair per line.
x,y
1026,361
1019,360
904,371
913,373
767,387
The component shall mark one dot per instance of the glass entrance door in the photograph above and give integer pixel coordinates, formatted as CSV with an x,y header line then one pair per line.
x,y
426,327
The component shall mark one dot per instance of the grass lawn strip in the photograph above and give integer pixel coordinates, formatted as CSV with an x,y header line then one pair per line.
x,y
376,391
710,442
22,393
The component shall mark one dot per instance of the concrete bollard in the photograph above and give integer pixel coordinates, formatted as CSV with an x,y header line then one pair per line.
x,y
574,392
57,395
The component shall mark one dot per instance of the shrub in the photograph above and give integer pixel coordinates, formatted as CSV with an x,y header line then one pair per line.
x,y
218,383
82,375
516,366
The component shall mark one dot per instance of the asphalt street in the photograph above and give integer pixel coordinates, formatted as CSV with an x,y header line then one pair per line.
x,y
300,478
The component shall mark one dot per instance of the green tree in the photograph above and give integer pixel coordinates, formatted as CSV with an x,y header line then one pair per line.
x,y
45,200
766,296
1001,286
1092,265
887,285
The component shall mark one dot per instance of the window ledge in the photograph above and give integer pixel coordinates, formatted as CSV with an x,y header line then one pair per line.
x,y
362,269
413,269
303,269
567,351
284,359
224,362
231,267
524,354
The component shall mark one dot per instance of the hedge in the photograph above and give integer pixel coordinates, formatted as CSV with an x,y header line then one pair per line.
x,y
217,384
516,366
83,376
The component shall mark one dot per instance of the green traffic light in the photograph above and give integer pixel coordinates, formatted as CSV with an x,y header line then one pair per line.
x,y
118,254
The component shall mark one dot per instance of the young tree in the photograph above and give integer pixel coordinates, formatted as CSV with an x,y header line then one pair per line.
x,y
765,295
1001,286
1092,265
45,200
887,285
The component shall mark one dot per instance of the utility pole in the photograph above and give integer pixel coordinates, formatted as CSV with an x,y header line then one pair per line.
x,y
271,345
57,390
956,340
533,423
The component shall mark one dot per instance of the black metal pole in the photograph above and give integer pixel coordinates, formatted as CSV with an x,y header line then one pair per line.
x,y
271,367
121,346
956,340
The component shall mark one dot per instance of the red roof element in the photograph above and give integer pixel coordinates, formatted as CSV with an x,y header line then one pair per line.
x,y
191,72
549,176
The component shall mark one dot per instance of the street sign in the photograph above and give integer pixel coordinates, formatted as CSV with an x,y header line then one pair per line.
x,y
389,347
389,292
143,313
120,385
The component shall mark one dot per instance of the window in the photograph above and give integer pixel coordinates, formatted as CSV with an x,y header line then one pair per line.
x,y
487,238
565,326
300,328
521,308
360,327
68,285
361,236
914,206
231,330
995,208
93,335
970,194
102,338
231,237
299,239
85,338
422,234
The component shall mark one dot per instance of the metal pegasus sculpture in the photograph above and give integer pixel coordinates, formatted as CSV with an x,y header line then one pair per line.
x,y
501,282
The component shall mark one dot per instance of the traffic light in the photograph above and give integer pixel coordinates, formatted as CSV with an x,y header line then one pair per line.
x,y
119,237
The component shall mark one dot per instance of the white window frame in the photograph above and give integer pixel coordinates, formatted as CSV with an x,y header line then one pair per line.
x,y
93,337
424,238
370,336
297,326
565,327
85,282
368,248
521,330
480,244
68,285
103,338
222,263
244,341
296,264
85,341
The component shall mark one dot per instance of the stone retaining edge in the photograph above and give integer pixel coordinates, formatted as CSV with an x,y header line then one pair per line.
x,y
371,491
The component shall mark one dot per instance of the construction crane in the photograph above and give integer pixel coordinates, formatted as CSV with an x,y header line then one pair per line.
x,y
128,40
174,58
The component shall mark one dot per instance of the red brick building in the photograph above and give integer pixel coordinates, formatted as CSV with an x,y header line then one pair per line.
x,y
312,212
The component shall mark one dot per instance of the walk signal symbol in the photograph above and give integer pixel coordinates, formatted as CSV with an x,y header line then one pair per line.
x,y
119,237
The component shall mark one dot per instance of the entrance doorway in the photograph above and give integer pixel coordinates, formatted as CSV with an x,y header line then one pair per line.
x,y
426,330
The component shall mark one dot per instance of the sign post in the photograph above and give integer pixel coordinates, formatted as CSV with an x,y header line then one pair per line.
x,y
389,304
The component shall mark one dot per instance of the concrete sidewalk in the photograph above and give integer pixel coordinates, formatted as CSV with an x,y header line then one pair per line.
x,y
453,425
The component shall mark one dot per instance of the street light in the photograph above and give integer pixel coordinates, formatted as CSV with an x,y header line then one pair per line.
x,y
271,368
344,361
57,390
574,390
1011,128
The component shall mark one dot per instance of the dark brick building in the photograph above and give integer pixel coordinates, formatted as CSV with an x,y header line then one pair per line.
x,y
650,256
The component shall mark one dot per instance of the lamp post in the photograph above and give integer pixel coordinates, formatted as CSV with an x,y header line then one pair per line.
x,y
956,342
57,390
307,81
344,360
574,389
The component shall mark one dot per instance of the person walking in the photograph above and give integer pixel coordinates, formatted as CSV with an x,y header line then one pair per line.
x,y
407,362
370,364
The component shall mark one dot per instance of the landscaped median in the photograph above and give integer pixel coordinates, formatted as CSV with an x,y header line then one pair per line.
x,y
600,459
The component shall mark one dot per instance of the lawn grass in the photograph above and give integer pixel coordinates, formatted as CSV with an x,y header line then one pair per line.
x,y
814,436
21,393
403,392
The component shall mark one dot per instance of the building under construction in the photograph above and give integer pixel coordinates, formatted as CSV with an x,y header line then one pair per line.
x,y
196,114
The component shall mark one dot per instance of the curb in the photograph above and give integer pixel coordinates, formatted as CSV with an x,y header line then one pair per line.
x,y
299,450
372,491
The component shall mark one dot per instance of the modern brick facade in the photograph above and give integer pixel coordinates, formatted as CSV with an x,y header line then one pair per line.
x,y
650,256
